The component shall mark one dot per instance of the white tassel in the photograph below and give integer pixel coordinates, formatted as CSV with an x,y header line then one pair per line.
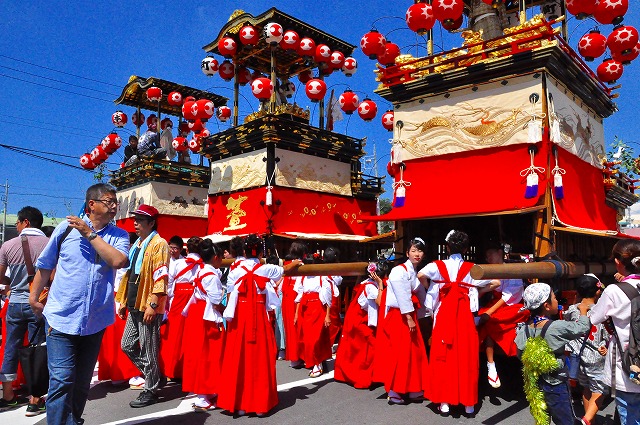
x,y
556,136
396,153
535,131
269,198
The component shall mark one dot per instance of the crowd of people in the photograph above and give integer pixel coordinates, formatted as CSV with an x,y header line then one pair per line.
x,y
148,314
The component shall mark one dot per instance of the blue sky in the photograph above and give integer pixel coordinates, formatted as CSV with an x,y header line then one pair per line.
x,y
46,108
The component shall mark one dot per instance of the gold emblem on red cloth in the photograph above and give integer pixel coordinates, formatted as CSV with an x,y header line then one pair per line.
x,y
236,213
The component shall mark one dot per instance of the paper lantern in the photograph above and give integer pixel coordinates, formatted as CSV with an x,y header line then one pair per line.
x,y
224,113
420,18
273,33
581,9
152,121
610,71
454,25
336,60
262,88
111,143
179,144
387,120
154,94
227,70
196,125
391,52
209,66
119,119
244,76
86,162
315,89
592,45
350,66
307,47
348,102
249,36
447,11
189,99
305,76
166,123
137,118
189,110
373,43
610,11
626,59
323,53
174,98
493,3
194,144
290,40
99,155
623,39
367,109
227,47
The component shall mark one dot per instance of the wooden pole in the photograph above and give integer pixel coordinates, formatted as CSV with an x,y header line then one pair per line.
x,y
335,269
540,270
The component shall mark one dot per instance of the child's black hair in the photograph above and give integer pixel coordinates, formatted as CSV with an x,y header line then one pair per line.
x,y
587,286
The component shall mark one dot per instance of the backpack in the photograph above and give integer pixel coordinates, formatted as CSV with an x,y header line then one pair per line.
x,y
537,360
631,356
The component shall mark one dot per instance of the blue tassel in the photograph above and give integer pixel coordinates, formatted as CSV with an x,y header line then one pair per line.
x,y
558,188
532,186
400,193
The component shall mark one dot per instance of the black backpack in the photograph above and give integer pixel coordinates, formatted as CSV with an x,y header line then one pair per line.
x,y
631,356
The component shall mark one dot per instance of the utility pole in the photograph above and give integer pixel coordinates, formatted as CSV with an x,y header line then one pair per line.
x,y
5,201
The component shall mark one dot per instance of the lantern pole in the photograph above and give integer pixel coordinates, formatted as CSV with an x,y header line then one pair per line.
x,y
236,91
430,42
272,99
523,11
321,104
138,126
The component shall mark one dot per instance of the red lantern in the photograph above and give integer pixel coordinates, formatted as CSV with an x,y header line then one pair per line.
x,y
166,123
137,118
194,144
610,71
582,9
183,128
227,47
111,143
323,53
99,155
452,26
189,110
307,47
273,33
249,36
623,39
626,59
391,52
174,98
348,102
420,18
315,89
373,44
387,120
447,11
227,70
179,144
152,121
209,66
367,110
493,3
610,11
189,99
119,119
154,94
305,76
592,45
224,113
290,40
350,66
205,109
86,162
337,60
196,125
244,75
262,88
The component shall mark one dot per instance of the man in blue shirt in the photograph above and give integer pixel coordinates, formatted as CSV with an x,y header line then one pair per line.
x,y
80,304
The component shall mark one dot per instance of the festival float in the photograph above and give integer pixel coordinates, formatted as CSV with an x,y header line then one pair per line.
x,y
503,137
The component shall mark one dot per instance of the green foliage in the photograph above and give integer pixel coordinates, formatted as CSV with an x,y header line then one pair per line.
x,y
537,360
627,159
100,173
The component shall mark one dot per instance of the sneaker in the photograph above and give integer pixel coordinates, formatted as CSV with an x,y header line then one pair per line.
x,y
146,398
13,403
36,409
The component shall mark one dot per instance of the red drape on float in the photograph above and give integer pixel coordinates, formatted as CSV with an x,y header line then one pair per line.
x,y
170,225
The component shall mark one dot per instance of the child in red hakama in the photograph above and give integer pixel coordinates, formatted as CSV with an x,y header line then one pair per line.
x,y
331,255
406,356
249,359
204,331
293,350
453,296
179,292
354,358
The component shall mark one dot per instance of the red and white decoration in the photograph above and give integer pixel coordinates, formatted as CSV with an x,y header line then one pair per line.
x,y
204,109
592,45
447,11
179,144
223,113
337,60
391,52
196,126
111,143
86,162
273,33
307,47
323,53
626,59
581,9
419,17
348,102
367,110
227,47
453,25
610,71
623,39
350,66
194,144
189,110
290,40
315,89
154,94
209,66
249,35
119,119
174,98
387,120
373,44
137,118
99,155
227,70
262,88
610,11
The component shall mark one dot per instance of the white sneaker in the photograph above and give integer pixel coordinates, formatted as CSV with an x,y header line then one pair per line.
x,y
136,383
492,376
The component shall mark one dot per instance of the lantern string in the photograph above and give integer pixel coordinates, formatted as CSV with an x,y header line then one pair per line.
x,y
24,152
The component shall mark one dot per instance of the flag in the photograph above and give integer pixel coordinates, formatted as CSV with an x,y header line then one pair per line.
x,y
333,111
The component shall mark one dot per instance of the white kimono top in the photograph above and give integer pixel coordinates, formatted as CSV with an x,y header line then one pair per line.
x,y
270,271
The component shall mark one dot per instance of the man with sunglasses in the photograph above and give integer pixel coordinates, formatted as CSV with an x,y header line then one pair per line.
x,y
143,292
85,252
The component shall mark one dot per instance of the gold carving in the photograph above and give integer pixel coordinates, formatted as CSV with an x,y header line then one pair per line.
x,y
285,108
233,205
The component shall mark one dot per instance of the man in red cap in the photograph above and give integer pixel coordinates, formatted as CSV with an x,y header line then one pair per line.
x,y
143,291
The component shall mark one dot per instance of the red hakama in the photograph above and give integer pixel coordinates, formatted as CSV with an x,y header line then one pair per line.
x,y
113,363
336,321
203,344
293,346
501,327
249,359
454,361
354,359
171,333
380,370
314,335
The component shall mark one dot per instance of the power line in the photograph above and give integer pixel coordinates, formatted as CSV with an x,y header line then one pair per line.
x,y
25,152
54,88
44,122
58,81
57,70
45,195
48,129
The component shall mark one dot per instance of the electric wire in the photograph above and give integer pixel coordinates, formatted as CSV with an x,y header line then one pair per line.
x,y
55,88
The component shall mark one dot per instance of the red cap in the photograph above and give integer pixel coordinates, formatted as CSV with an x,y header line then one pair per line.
x,y
146,210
